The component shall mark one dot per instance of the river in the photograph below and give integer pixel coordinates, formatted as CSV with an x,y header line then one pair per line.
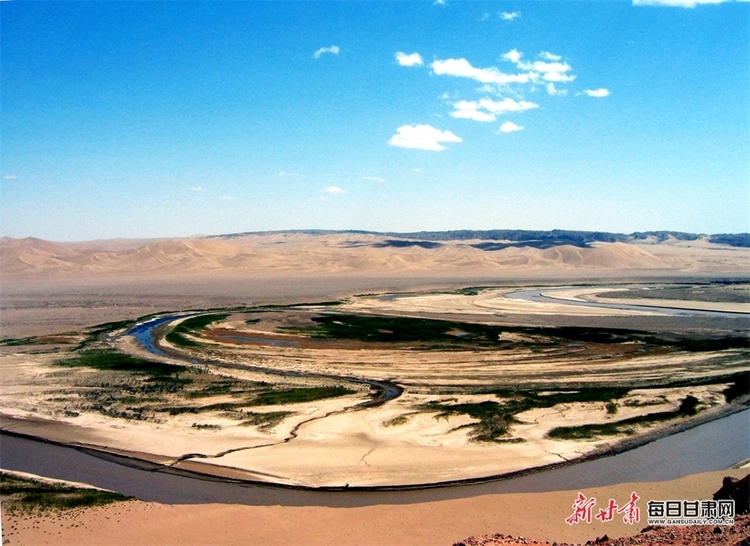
x,y
716,445
541,296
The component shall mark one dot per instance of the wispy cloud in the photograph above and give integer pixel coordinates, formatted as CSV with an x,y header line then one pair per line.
x,y
373,178
550,71
509,15
488,109
422,137
463,69
226,198
681,3
285,173
597,93
546,55
334,190
438,3
510,127
554,91
10,177
333,50
409,59
194,188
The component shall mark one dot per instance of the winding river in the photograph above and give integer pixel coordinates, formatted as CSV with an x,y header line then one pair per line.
x,y
382,391
715,445
711,446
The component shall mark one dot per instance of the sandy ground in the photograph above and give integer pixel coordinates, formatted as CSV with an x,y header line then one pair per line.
x,y
48,290
333,447
540,516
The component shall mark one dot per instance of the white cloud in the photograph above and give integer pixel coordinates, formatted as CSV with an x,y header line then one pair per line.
x,y
335,190
409,59
226,198
195,188
558,77
550,71
373,178
509,15
488,109
598,93
463,69
554,91
10,177
334,50
439,3
679,3
422,137
510,127
546,55
513,56
469,110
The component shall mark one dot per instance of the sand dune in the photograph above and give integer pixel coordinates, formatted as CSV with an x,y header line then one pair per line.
x,y
337,253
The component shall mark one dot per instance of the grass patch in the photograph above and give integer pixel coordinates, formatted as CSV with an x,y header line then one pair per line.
x,y
222,406
298,395
13,341
495,419
230,387
265,421
110,360
688,407
445,334
29,495
190,326
206,426
396,421
401,329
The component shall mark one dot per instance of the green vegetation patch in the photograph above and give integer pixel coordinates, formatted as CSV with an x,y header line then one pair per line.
x,y
397,421
443,334
231,387
190,326
30,495
688,407
222,406
401,329
108,359
14,341
298,395
495,419
265,421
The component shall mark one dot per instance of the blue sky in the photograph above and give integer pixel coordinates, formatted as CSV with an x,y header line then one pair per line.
x,y
152,119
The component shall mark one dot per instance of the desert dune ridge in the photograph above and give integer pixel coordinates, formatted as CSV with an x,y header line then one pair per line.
x,y
342,252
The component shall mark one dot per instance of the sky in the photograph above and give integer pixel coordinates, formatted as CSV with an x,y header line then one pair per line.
x,y
171,119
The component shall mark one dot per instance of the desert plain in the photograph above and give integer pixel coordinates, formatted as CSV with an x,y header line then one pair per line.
x,y
353,361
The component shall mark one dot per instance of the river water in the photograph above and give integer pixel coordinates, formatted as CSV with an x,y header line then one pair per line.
x,y
712,446
539,296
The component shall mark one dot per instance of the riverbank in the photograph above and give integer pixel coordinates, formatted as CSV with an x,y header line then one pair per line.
x,y
390,522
